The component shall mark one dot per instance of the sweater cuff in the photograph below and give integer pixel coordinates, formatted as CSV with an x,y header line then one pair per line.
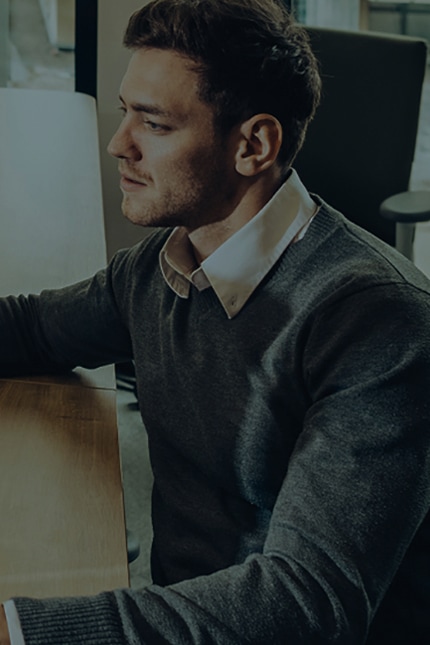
x,y
70,621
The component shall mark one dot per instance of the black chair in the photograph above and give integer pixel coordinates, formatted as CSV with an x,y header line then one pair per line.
x,y
360,147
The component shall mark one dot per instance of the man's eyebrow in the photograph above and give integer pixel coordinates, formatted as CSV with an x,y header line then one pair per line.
x,y
154,109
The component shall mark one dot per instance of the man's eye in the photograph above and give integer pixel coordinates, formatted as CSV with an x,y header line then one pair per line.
x,y
155,127
150,125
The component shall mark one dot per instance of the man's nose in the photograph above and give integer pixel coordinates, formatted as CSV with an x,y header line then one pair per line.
x,y
122,145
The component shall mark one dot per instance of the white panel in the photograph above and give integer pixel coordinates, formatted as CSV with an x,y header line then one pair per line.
x,y
50,188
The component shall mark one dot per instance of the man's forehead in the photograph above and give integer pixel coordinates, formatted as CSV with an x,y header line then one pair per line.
x,y
156,67
162,82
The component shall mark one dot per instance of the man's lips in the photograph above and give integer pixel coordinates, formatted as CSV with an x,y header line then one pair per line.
x,y
129,183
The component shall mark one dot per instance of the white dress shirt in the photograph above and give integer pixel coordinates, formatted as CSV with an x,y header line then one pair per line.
x,y
13,624
237,267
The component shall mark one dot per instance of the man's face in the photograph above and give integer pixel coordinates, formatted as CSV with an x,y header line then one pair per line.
x,y
175,169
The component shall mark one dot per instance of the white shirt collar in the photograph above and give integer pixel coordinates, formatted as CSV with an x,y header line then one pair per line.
x,y
236,268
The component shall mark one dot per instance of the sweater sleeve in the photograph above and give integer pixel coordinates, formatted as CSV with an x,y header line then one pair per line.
x,y
355,493
79,325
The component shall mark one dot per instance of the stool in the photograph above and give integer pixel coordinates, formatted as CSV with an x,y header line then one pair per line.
x,y
406,209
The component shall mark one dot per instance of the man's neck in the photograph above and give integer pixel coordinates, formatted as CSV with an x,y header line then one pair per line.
x,y
207,238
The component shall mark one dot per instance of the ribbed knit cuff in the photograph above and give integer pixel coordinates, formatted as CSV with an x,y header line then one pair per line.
x,y
93,620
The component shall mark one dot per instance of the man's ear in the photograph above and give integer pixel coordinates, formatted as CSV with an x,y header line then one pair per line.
x,y
259,144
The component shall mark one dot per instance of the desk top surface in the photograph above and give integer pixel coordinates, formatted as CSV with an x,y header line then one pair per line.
x,y
61,497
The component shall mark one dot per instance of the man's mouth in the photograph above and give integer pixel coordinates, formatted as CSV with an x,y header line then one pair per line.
x,y
129,183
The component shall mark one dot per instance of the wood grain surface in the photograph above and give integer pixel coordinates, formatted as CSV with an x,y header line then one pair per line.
x,y
62,524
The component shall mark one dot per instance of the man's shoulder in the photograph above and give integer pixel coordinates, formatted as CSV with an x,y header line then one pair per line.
x,y
342,248
338,262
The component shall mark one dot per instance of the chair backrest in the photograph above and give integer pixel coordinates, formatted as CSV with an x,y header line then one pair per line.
x,y
360,147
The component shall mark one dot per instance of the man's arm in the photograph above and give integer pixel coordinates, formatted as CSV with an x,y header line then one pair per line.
x,y
356,491
79,325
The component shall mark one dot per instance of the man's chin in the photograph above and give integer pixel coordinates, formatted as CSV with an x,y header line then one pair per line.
x,y
142,218
137,220
134,214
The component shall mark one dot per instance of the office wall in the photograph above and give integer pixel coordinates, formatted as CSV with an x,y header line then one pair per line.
x,y
414,22
59,18
112,62
341,14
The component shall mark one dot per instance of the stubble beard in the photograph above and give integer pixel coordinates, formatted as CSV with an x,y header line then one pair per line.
x,y
170,212
193,201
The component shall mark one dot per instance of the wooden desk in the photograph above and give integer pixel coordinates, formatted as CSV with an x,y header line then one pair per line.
x,y
62,525
61,504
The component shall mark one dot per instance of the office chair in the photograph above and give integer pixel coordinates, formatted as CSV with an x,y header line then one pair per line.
x,y
360,147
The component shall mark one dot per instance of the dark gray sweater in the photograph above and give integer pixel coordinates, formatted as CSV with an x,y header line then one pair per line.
x,y
290,445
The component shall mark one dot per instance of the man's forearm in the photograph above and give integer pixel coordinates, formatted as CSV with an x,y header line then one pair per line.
x,y
4,632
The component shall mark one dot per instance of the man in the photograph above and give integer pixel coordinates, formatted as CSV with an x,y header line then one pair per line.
x,y
282,358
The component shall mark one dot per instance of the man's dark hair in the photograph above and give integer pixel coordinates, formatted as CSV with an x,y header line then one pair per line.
x,y
251,56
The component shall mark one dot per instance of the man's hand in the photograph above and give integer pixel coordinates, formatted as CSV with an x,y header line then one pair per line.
x,y
4,632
